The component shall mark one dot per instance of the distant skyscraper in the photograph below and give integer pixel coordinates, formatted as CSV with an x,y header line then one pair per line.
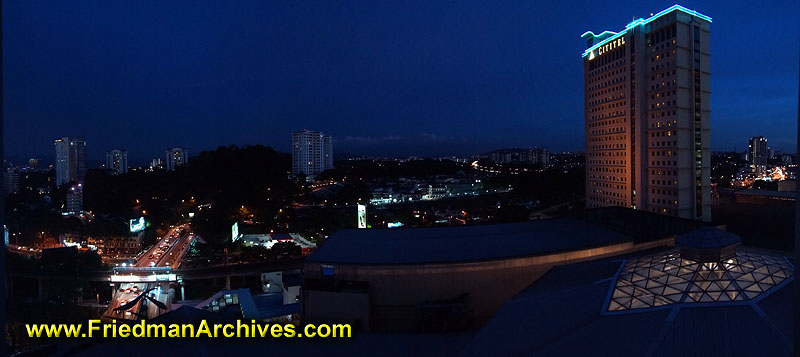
x,y
758,154
157,164
542,157
647,115
117,162
11,180
503,157
62,161
176,157
74,201
312,153
70,160
33,164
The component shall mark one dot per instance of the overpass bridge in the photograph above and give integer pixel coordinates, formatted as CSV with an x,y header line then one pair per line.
x,y
220,271
151,275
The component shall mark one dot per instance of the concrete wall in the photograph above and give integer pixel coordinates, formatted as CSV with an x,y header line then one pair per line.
x,y
336,307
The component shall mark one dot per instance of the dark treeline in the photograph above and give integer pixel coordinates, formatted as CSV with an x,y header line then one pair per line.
x,y
229,177
371,169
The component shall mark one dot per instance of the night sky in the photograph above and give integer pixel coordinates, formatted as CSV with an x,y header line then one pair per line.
x,y
382,77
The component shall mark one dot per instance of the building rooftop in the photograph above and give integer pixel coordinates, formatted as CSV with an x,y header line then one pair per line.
x,y
271,305
768,193
666,279
593,228
566,313
608,36
707,237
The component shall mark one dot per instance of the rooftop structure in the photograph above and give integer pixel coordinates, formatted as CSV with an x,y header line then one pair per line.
x,y
464,243
606,37
656,303
363,276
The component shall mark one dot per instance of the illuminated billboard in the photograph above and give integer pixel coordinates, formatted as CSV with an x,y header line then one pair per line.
x,y
362,216
394,224
235,231
137,224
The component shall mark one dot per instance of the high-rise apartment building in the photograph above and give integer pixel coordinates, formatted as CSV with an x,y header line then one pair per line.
x,y
11,180
176,157
647,115
758,154
74,200
312,153
156,164
542,157
117,162
70,160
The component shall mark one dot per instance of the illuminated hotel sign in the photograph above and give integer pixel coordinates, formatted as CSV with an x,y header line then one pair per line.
x,y
612,45
137,225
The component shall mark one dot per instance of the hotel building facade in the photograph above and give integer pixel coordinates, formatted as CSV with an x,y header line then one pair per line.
x,y
647,115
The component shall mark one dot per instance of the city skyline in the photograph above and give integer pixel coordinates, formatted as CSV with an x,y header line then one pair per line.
x,y
413,178
145,160
385,84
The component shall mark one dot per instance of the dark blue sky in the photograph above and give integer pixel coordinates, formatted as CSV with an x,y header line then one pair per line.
x,y
382,77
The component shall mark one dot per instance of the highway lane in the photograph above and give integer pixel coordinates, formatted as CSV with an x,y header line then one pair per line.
x,y
174,255
157,254
123,295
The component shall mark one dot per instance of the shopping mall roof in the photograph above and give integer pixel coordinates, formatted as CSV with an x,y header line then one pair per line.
x,y
570,311
593,228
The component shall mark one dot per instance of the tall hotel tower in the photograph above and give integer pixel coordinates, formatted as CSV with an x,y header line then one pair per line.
x,y
647,115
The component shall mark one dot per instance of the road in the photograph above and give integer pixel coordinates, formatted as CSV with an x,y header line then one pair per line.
x,y
13,248
126,293
174,254
168,250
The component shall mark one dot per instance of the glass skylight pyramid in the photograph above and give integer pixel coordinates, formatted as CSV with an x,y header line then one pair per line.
x,y
698,272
